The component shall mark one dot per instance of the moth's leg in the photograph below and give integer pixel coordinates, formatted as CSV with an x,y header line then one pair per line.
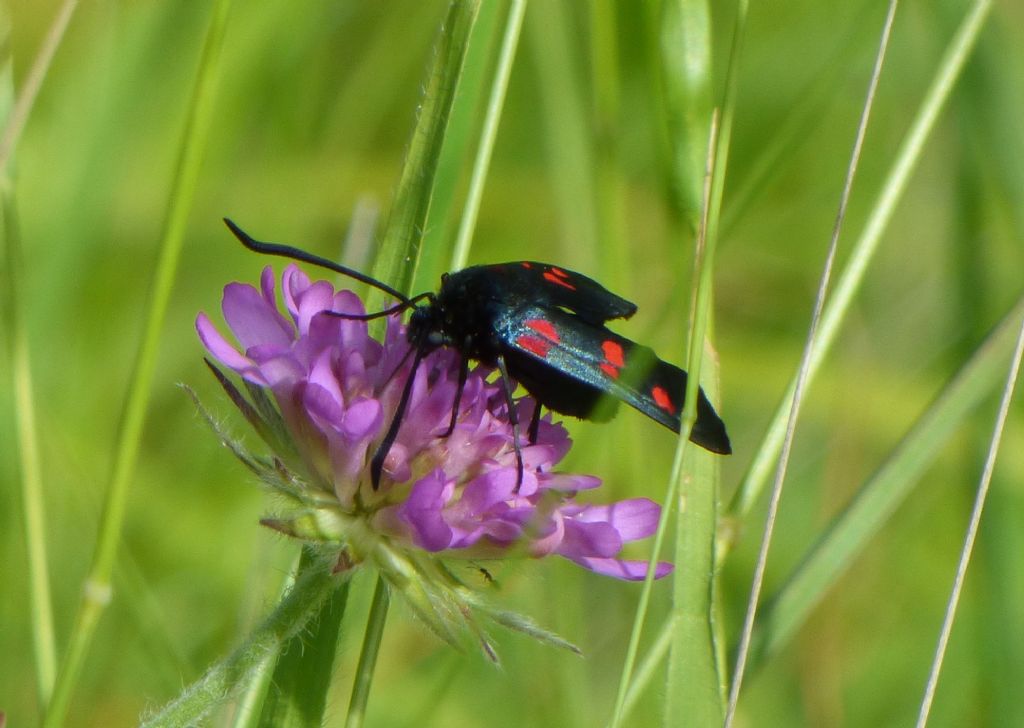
x,y
513,418
463,374
377,464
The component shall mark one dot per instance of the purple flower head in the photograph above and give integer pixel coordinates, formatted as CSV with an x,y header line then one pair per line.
x,y
334,391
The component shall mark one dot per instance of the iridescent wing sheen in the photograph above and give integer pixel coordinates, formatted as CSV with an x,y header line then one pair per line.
x,y
553,352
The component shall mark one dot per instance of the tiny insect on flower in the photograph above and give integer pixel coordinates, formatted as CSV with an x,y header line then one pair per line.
x,y
321,392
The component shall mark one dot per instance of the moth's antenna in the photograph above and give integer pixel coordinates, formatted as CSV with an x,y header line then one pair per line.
x,y
287,251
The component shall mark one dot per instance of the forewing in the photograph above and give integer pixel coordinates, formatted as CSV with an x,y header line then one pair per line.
x,y
550,286
611,363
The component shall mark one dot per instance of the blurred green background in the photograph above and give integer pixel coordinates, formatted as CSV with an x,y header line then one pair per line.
x,y
315,104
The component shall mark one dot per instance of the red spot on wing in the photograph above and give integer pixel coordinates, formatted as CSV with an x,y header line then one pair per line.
x,y
534,344
545,328
614,358
526,265
613,353
558,276
662,399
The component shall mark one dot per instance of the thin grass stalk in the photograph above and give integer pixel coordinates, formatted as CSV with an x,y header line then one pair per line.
x,y
33,504
34,81
972,532
566,130
399,252
375,622
724,144
16,115
495,103
876,500
799,122
802,374
97,590
866,246
605,79
461,142
648,666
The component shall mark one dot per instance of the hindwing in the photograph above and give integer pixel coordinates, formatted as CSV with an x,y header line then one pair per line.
x,y
566,345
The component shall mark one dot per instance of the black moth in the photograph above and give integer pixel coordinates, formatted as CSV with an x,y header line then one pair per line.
x,y
541,326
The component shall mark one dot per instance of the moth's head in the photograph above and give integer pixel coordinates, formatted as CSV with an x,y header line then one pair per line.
x,y
426,327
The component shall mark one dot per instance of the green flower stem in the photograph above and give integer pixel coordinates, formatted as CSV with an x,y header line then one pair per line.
x,y
509,43
97,591
289,618
368,657
297,694
248,707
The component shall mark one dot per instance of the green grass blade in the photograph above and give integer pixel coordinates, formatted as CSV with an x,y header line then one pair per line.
x,y
696,678
687,74
97,592
800,385
866,246
693,677
399,253
41,605
884,491
15,113
614,241
15,122
566,131
972,530
509,43
457,150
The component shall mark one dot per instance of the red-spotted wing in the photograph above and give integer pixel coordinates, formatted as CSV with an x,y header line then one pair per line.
x,y
568,364
548,285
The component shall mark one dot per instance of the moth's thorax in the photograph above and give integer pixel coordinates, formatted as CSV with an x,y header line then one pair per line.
x,y
460,315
